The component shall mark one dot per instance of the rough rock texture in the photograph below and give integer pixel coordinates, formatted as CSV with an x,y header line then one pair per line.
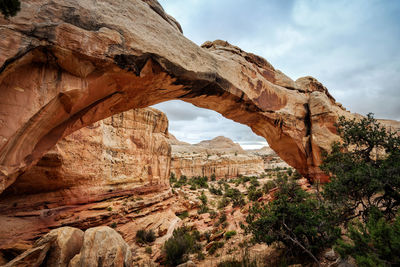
x,y
270,158
65,242
219,156
98,175
54,249
67,246
124,153
102,246
67,64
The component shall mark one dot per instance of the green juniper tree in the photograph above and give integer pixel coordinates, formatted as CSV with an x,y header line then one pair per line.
x,y
9,8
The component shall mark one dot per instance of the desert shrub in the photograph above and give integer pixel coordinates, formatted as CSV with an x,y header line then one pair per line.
x,y
213,214
213,177
172,178
182,181
215,191
229,234
254,194
183,215
296,175
199,182
373,243
148,250
203,208
223,203
179,245
294,218
364,169
235,196
143,236
10,8
113,225
215,246
268,186
254,182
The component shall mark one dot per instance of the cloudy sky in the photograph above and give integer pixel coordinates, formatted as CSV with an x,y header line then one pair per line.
x,y
352,47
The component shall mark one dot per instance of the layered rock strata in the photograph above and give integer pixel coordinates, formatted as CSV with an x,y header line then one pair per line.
x,y
67,64
219,156
98,175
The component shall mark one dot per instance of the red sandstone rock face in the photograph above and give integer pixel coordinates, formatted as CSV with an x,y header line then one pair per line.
x,y
82,181
127,152
67,64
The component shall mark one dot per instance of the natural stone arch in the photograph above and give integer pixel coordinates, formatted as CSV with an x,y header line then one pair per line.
x,y
67,64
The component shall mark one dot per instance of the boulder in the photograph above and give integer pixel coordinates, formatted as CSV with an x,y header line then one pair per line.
x,y
103,246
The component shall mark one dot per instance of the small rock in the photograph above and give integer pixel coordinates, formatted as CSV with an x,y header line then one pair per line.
x,y
330,255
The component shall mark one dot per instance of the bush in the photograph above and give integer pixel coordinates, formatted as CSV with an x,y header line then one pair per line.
x,y
183,215
235,196
268,186
215,191
223,203
213,178
10,8
295,218
367,175
215,246
179,245
148,250
143,236
254,194
199,182
113,225
375,243
229,234
172,178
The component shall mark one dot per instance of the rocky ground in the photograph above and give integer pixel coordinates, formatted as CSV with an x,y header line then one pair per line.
x,y
218,222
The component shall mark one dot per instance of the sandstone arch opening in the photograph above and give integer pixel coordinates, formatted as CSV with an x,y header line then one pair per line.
x,y
78,71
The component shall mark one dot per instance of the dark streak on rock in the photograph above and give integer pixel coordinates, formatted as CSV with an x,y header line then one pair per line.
x,y
19,55
88,23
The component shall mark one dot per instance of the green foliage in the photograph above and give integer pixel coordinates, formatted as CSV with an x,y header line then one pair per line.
x,y
199,182
9,8
113,225
215,246
268,186
229,234
148,250
375,243
182,181
143,236
254,182
172,178
179,245
361,179
213,177
296,175
223,203
215,191
183,215
295,218
254,194
235,196
203,207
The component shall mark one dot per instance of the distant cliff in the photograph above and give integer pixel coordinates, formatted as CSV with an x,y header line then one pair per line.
x,y
219,156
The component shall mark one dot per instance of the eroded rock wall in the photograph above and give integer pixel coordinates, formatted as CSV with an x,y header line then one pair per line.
x,y
95,176
219,156
67,64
